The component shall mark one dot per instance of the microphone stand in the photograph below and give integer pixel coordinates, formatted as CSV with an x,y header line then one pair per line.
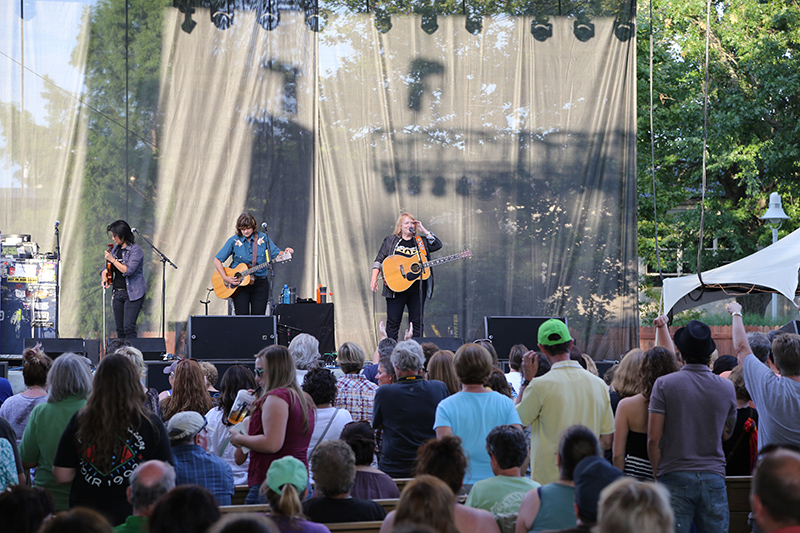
x,y
164,260
421,272
58,277
270,272
207,300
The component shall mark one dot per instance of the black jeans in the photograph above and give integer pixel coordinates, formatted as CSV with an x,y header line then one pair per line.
x,y
396,306
126,312
252,299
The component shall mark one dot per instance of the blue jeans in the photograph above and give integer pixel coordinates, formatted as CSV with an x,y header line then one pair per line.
x,y
700,497
255,496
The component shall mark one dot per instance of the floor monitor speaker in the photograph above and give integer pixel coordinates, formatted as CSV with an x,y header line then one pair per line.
x,y
506,331
230,337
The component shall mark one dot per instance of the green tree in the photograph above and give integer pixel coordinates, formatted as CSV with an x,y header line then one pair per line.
x,y
753,128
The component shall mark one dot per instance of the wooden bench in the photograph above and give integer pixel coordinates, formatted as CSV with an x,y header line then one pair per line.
x,y
367,527
738,488
239,494
388,504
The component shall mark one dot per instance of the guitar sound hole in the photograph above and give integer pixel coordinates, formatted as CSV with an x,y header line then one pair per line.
x,y
415,268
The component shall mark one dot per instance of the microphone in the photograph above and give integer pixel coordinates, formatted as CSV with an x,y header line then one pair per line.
x,y
413,230
135,230
264,225
58,223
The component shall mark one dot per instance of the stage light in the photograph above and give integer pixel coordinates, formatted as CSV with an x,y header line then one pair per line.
x,y
185,7
268,15
311,10
222,14
541,30
624,30
429,23
383,21
583,29
474,24
26,9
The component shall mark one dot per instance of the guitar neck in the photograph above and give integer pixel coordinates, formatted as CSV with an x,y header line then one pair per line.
x,y
254,269
447,259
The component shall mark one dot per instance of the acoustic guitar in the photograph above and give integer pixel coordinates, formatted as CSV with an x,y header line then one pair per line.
x,y
224,290
400,272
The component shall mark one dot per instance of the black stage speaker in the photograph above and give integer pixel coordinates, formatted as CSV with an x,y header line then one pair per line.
x,y
604,365
444,343
157,379
92,348
791,327
152,348
55,347
312,318
506,331
229,337
4,369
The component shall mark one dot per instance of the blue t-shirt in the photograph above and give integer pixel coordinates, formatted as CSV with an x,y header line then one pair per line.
x,y
241,249
6,391
472,415
777,400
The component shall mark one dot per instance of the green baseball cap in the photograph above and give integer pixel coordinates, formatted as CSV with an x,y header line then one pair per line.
x,y
553,332
287,470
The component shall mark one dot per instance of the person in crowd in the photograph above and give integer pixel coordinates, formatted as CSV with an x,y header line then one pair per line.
x,y
185,509
211,376
23,509
428,349
472,413
169,371
592,475
152,402
441,367
11,471
252,248
776,397
761,346
282,419
81,519
286,487
355,393
741,450
194,465
630,423
383,350
107,439
774,493
691,412
489,347
497,382
514,377
126,259
608,377
408,239
149,482
502,494
565,396
6,391
320,384
235,378
370,483
723,365
334,466
69,384
189,391
406,410
244,523
17,409
425,500
445,459
626,382
551,506
305,351
385,374
628,506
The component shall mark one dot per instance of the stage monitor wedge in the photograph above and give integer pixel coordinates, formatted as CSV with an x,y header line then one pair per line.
x,y
506,331
230,337
55,347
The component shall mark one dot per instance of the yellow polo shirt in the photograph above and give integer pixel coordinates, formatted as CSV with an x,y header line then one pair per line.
x,y
565,396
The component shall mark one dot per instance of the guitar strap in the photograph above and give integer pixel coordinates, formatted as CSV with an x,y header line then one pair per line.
x,y
421,246
254,243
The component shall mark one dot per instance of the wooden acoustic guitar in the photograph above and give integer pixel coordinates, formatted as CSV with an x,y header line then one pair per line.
x,y
400,272
224,290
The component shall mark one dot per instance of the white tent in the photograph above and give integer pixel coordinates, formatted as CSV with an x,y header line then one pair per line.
x,y
772,269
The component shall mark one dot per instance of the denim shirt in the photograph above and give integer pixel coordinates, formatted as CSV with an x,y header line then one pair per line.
x,y
242,251
132,257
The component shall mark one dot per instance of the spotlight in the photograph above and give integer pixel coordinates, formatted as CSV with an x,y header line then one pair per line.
x,y
624,30
541,30
583,29
222,14
429,23
311,10
268,16
185,7
383,21
474,24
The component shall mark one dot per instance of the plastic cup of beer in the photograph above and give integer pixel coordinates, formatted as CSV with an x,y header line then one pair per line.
x,y
241,406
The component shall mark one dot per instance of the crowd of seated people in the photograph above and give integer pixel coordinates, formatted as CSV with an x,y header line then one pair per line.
x,y
102,452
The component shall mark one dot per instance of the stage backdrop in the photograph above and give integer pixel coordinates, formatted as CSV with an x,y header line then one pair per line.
x,y
507,130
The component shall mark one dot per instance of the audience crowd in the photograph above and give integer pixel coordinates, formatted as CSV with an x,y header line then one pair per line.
x,y
545,446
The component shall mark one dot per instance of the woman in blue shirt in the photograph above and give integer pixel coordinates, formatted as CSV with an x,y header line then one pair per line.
x,y
249,299
127,280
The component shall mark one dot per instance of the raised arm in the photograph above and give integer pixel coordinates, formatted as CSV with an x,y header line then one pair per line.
x,y
740,343
663,338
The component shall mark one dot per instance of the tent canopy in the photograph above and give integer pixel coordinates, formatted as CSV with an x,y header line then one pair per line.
x,y
772,269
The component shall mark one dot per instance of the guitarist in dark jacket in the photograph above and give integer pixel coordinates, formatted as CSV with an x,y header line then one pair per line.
x,y
249,299
408,235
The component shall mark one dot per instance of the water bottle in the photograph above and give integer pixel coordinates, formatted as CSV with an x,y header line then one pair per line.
x,y
285,294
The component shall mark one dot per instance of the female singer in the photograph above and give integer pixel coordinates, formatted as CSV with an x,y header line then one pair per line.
x,y
127,280
250,299
404,242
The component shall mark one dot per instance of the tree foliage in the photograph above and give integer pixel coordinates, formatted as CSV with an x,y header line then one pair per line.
x,y
753,127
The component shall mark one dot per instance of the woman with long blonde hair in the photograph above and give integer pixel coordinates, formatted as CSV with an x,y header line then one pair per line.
x,y
282,421
188,391
107,439
442,367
